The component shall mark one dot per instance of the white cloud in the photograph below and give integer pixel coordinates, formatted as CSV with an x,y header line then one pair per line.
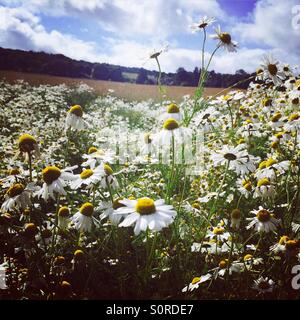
x,y
271,26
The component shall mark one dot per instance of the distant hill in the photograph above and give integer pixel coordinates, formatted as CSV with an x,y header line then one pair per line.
x,y
60,65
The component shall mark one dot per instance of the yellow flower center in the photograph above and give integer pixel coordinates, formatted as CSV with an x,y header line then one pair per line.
x,y
13,172
263,285
247,185
31,229
248,257
230,156
27,143
225,37
272,68
78,254
242,140
108,170
196,280
196,205
50,174
218,231
270,162
172,108
267,102
86,173
223,264
63,212
116,204
170,124
259,71
92,150
87,209
236,214
276,117
262,165
263,215
15,190
145,206
263,182
279,135
283,239
293,117
59,261
77,110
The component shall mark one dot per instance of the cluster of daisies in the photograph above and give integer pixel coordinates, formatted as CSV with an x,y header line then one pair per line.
x,y
103,188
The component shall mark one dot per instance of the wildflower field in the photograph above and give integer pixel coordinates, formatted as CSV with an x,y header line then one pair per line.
x,y
103,198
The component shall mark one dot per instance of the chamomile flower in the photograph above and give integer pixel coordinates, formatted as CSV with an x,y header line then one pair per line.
x,y
239,159
74,118
218,233
271,70
202,23
109,208
231,267
83,219
173,112
55,180
18,196
263,221
263,285
264,189
146,213
196,282
88,177
28,145
63,217
280,245
224,40
96,157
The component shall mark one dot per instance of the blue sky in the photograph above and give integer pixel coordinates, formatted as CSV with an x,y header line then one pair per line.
x,y
126,31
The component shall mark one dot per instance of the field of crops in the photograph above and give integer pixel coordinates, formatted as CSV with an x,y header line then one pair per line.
x,y
123,90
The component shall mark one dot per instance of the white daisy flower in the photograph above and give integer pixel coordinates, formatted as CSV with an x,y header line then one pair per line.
x,y
74,119
225,40
263,221
83,219
218,233
146,213
96,157
196,282
88,177
18,196
202,23
271,70
63,217
109,208
239,160
173,112
225,265
264,189
54,181
28,145
263,285
280,245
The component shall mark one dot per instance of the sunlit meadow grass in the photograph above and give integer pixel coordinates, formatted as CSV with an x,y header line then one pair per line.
x,y
94,204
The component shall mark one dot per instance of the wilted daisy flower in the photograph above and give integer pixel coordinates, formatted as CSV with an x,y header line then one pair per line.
x,y
87,177
108,179
83,219
263,285
18,196
263,221
271,70
239,159
146,213
235,218
173,112
55,180
97,156
74,118
224,40
202,24
63,217
156,53
264,188
272,168
28,144
196,282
